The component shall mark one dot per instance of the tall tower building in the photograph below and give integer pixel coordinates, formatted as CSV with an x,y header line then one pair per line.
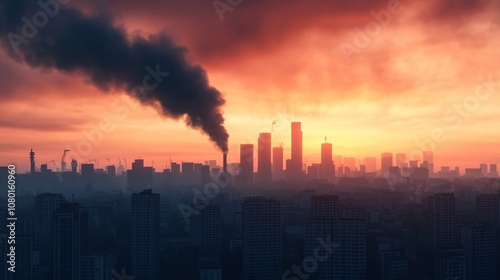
x,y
401,160
428,156
385,164
32,162
140,177
324,209
70,240
439,225
488,208
296,160
45,206
246,164
261,239
264,168
145,235
479,242
277,163
349,259
327,168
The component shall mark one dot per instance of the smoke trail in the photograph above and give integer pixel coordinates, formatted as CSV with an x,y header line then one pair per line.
x,y
49,35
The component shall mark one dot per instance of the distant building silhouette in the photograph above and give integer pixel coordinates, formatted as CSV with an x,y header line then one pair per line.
x,y
327,167
145,235
246,165
261,239
264,167
294,171
385,163
139,177
278,163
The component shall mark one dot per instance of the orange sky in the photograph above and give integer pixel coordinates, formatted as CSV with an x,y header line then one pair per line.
x,y
277,62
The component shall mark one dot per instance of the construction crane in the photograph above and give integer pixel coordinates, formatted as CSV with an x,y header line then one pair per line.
x,y
63,162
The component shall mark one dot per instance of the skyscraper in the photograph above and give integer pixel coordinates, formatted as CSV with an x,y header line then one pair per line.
x,y
296,160
479,243
145,235
70,240
349,259
371,164
32,161
385,163
261,239
139,177
324,207
327,167
439,225
264,168
246,164
277,163
45,205
488,208
428,156
401,160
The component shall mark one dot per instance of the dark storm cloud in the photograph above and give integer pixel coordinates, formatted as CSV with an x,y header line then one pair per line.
x,y
265,25
72,42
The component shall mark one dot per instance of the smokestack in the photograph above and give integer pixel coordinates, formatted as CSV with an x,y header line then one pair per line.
x,y
224,162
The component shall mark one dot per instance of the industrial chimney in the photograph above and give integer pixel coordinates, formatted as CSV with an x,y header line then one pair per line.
x,y
224,162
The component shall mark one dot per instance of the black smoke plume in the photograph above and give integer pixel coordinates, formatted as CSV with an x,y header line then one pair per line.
x,y
49,34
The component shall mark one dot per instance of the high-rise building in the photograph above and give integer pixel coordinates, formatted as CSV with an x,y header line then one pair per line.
x,y
296,160
145,235
493,171
479,242
261,239
45,205
450,264
139,177
246,164
327,167
96,267
175,169
324,207
277,163
401,160
488,208
71,240
32,161
264,168
349,259
428,156
206,232
43,229
385,163
439,225
371,164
